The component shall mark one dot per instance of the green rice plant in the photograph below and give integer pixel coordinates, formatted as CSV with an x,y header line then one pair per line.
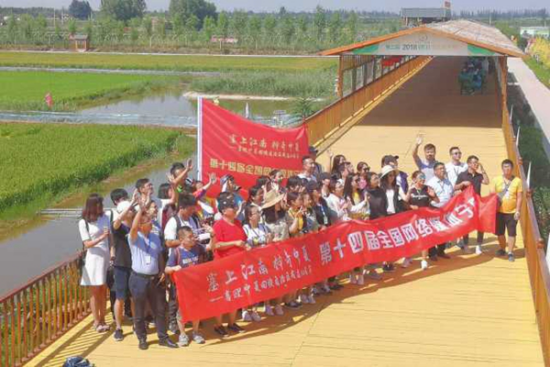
x,y
70,91
313,84
40,161
165,62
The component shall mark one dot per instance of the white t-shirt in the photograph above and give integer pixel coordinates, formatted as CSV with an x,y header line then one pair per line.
x,y
308,178
256,236
453,170
171,229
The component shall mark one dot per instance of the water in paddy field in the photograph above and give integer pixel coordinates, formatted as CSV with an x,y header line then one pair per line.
x,y
167,109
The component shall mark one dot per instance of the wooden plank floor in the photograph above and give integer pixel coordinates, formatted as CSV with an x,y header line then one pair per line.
x,y
467,311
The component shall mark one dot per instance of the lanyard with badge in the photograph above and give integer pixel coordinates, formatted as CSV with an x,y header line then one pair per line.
x,y
148,256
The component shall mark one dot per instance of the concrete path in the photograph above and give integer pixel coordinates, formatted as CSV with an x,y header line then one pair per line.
x,y
110,71
536,93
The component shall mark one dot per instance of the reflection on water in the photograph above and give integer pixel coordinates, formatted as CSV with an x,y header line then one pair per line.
x,y
176,104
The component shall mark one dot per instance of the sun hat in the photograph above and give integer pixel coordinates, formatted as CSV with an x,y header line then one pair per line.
x,y
385,170
271,198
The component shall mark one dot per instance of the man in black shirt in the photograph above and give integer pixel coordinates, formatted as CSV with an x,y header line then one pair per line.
x,y
475,176
122,264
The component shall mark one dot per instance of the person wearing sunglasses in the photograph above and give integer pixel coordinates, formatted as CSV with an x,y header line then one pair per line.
x,y
455,167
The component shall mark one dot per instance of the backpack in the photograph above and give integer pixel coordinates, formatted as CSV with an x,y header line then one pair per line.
x,y
77,362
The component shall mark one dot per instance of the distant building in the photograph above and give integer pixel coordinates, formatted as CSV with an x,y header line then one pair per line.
x,y
79,42
413,17
532,32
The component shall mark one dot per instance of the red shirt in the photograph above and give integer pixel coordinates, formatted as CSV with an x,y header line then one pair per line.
x,y
226,232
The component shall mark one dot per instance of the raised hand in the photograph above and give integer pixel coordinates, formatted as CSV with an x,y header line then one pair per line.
x,y
419,140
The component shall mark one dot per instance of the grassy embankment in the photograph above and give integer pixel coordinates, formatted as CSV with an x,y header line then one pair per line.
x,y
41,163
289,77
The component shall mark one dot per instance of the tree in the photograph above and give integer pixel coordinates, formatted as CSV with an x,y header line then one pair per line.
x,y
123,9
270,23
208,28
302,24
352,26
320,22
287,29
26,26
40,25
239,21
160,27
255,29
223,24
335,27
12,28
89,29
148,26
185,9
135,23
72,26
80,9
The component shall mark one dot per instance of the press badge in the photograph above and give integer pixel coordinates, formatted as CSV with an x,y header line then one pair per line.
x,y
147,259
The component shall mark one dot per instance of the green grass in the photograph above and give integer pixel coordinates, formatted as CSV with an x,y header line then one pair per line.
x,y
26,90
40,162
164,62
313,84
542,72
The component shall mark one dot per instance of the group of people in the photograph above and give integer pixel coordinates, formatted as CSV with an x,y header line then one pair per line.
x,y
473,74
146,237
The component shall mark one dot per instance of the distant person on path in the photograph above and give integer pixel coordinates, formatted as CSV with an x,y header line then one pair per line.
x,y
509,190
94,232
474,176
425,165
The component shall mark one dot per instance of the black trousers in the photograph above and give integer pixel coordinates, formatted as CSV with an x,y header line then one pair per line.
x,y
439,249
146,289
480,236
172,305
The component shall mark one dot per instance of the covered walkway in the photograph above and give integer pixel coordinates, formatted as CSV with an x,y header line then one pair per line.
x,y
467,311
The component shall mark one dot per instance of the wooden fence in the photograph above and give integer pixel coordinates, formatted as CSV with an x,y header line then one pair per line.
x,y
321,125
533,242
35,315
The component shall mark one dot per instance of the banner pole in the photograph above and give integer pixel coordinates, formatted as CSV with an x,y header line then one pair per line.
x,y
199,138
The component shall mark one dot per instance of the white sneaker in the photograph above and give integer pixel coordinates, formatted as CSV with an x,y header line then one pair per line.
x,y
255,317
303,299
247,316
352,279
406,263
311,299
279,310
360,279
479,251
424,265
326,288
269,310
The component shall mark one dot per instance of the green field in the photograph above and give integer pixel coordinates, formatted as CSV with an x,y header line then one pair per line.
x,y
165,62
42,162
26,90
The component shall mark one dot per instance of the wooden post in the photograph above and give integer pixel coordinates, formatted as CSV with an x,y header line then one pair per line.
x,y
503,61
353,79
340,86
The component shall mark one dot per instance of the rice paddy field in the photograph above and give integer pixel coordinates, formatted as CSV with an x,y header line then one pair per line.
x,y
26,90
165,62
40,162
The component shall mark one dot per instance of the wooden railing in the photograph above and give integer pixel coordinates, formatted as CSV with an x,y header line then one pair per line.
x,y
35,315
533,243
321,125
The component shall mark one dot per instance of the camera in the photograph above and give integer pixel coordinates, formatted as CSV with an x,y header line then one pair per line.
x,y
202,236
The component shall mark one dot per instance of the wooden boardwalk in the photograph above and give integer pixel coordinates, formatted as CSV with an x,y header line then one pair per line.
x,y
467,311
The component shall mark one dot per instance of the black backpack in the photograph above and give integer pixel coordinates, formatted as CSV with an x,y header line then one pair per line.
x,y
77,362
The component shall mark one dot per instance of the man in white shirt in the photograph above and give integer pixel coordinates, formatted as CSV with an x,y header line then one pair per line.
x,y
309,169
455,166
444,191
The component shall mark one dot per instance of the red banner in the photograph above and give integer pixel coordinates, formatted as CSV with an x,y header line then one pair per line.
x,y
269,272
228,143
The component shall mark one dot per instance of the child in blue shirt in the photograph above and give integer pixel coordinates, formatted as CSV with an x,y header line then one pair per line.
x,y
188,253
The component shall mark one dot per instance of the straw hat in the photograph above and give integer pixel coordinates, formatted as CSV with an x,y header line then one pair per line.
x,y
271,198
385,170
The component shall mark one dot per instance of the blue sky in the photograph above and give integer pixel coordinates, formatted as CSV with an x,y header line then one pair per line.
x,y
254,5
